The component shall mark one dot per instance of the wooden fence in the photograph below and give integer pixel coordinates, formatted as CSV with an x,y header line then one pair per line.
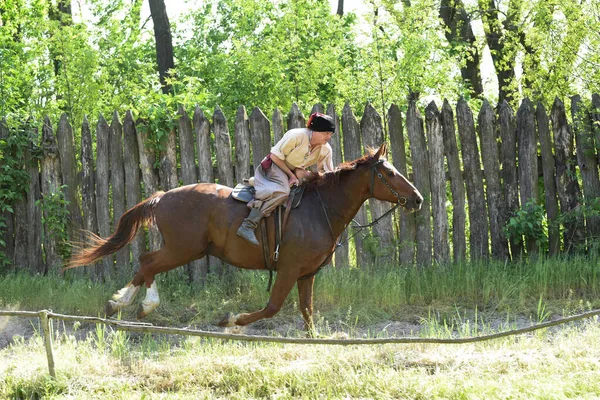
x,y
483,171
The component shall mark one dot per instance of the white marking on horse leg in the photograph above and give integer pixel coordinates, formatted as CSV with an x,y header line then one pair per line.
x,y
152,300
125,296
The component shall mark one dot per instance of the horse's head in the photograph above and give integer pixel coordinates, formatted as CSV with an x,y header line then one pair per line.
x,y
386,183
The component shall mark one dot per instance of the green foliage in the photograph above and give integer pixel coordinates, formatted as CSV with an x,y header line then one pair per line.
x,y
14,179
55,217
529,222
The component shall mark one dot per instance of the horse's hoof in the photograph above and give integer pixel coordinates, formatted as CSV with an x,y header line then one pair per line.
x,y
141,314
111,308
228,320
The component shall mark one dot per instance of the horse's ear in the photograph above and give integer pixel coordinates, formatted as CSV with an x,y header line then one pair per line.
x,y
382,152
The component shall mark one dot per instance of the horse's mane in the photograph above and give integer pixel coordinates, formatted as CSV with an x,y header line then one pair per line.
x,y
327,179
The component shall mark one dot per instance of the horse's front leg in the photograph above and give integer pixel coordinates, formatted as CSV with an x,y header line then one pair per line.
x,y
283,285
305,296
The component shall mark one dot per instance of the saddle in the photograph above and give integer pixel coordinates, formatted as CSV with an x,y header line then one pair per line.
x,y
276,222
245,192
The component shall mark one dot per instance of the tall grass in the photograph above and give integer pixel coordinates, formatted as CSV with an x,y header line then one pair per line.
x,y
372,292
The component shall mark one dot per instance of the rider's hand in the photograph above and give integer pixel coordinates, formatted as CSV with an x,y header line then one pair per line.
x,y
293,180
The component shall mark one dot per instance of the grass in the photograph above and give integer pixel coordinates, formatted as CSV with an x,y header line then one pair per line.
x,y
562,364
459,301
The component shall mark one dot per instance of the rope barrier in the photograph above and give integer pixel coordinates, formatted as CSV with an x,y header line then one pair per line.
x,y
45,316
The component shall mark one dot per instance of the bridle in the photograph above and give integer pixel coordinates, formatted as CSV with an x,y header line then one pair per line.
x,y
374,171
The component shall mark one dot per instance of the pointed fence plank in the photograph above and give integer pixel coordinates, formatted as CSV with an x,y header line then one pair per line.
x,y
243,169
567,186
587,161
478,220
491,171
295,118
420,165
66,149
406,231
278,129
542,120
352,151
202,129
508,159
372,137
341,253
149,178
104,268
34,215
527,153
117,184
437,174
88,184
187,156
260,136
133,193
457,184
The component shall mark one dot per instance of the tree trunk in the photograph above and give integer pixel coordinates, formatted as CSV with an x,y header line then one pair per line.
x,y
164,42
340,8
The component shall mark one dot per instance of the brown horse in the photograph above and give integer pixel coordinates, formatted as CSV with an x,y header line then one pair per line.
x,y
201,219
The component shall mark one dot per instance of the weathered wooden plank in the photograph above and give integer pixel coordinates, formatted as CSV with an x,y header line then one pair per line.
x,y
527,153
542,120
372,137
36,263
406,229
491,171
260,135
205,167
88,184
223,148
420,167
508,159
336,139
8,218
567,186
243,167
278,129
167,170
66,149
189,172
586,159
478,220
341,259
437,179
352,151
149,178
457,184
105,267
133,192
318,108
295,118
117,183
202,129
225,167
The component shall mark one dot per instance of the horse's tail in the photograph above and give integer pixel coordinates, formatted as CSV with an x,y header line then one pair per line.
x,y
129,224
